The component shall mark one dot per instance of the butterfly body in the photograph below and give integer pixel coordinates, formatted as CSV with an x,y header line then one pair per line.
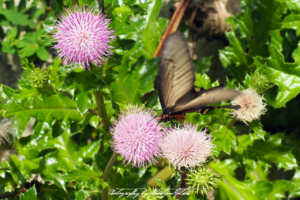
x,y
166,117
176,77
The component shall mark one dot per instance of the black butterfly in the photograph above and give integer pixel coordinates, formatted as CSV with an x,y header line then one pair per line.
x,y
176,77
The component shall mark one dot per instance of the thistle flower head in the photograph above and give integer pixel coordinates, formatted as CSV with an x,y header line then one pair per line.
x,y
202,180
82,36
186,147
252,106
137,135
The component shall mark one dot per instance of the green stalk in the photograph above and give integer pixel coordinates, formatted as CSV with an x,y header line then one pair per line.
x,y
101,5
101,109
183,183
105,123
109,166
75,2
231,123
106,173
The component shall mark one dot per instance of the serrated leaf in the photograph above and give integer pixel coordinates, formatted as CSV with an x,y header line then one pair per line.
x,y
269,150
21,169
70,154
30,194
153,31
256,126
137,9
235,189
14,17
57,107
84,175
57,6
80,195
294,187
285,75
249,36
82,84
163,186
293,141
42,53
39,12
292,4
279,189
129,87
224,139
28,50
203,65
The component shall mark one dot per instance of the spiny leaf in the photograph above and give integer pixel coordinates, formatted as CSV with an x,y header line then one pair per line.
x,y
285,75
58,107
30,194
235,189
269,150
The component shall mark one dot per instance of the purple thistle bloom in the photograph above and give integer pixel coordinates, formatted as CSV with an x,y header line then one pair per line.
x,y
82,36
186,147
137,135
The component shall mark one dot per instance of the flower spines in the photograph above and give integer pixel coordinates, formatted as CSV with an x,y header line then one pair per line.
x,y
137,137
202,180
186,147
83,36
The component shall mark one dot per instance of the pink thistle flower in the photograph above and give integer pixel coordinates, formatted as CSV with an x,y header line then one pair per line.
x,y
186,147
82,36
137,136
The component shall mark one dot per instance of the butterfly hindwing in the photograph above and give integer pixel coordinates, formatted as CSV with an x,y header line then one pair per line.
x,y
199,99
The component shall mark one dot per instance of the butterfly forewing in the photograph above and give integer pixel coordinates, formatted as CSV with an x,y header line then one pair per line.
x,y
176,74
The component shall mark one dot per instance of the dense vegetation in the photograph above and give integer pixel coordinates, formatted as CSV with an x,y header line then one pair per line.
x,y
74,108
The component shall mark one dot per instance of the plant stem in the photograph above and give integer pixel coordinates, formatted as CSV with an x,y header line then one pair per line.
x,y
107,172
109,166
183,184
75,2
232,121
105,122
101,5
101,109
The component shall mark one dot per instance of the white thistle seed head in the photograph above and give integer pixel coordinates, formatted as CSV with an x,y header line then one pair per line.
x,y
252,106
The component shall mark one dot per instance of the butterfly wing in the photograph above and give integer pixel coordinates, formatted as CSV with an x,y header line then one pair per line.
x,y
176,77
176,73
195,101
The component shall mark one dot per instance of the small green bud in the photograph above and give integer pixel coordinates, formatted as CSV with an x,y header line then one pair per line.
x,y
38,77
260,82
202,180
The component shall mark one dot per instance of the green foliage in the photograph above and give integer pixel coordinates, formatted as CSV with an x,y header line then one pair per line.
x,y
70,142
29,194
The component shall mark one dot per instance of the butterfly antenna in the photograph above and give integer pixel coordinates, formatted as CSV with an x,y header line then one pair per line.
x,y
236,107
145,103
